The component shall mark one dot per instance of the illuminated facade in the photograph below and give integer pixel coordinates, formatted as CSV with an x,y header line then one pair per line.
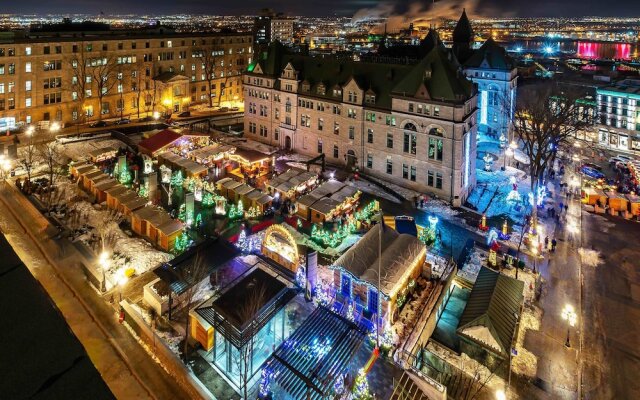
x,y
619,114
496,75
414,125
42,77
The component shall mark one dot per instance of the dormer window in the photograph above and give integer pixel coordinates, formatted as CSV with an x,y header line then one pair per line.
x,y
337,92
306,87
320,89
370,98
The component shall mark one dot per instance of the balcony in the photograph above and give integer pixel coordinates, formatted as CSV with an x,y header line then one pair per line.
x,y
284,125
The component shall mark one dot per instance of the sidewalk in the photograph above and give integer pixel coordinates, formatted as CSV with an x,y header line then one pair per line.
x,y
557,368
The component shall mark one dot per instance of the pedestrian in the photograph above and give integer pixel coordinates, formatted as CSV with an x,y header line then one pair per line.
x,y
558,218
546,242
560,206
553,245
566,208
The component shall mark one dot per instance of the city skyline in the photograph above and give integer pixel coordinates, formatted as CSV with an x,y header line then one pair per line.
x,y
404,8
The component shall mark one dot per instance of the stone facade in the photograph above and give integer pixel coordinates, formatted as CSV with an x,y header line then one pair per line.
x,y
413,140
37,73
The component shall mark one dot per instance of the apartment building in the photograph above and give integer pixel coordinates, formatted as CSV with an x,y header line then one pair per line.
x,y
618,107
282,29
413,125
77,76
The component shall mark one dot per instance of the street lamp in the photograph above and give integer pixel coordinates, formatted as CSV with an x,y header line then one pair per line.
x,y
104,263
55,127
122,280
507,153
501,395
534,251
569,315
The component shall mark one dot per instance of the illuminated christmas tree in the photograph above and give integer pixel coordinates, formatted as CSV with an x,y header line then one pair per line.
x,y
361,387
207,199
177,179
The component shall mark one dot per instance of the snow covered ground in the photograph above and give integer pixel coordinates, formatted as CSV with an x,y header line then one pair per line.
x,y
440,208
374,190
492,195
408,194
126,252
294,157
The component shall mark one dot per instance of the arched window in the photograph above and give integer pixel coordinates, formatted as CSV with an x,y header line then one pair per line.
x,y
409,126
436,131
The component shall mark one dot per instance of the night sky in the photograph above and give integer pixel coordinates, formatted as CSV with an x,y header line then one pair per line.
x,y
625,8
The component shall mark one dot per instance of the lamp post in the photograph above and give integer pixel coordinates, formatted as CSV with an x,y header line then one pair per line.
x,y
501,395
507,153
569,315
121,282
534,251
104,264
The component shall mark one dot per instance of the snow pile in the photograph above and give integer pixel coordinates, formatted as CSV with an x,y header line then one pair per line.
x,y
590,258
374,190
469,271
171,339
526,363
529,279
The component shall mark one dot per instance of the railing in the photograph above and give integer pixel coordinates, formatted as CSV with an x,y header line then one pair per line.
x,y
284,125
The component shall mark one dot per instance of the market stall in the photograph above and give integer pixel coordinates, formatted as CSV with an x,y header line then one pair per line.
x,y
592,196
99,189
634,204
280,246
617,201
249,164
226,186
103,154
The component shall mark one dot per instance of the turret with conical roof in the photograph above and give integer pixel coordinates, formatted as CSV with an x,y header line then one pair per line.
x,y
462,38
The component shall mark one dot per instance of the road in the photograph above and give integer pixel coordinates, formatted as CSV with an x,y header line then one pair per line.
x,y
612,309
124,365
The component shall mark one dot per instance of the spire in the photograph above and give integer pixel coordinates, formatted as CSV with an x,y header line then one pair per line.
x,y
463,33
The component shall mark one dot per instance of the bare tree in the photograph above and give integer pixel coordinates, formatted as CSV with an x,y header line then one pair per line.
x,y
106,229
80,82
547,119
210,68
51,154
247,312
193,275
30,157
106,74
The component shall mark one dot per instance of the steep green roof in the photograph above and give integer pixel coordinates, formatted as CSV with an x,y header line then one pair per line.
x,y
383,79
490,55
494,303
439,76
463,33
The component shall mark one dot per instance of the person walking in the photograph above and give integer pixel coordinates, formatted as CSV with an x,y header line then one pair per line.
x,y
553,245
566,208
546,242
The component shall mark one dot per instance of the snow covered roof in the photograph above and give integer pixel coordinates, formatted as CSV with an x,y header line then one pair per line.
x,y
117,189
325,205
243,189
159,141
492,311
264,199
254,195
136,203
231,184
170,227
399,252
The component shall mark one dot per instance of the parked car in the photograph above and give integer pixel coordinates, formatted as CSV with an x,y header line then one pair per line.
x,y
184,114
234,109
592,173
592,165
98,124
224,109
123,121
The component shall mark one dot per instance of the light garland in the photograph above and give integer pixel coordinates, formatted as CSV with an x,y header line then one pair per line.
x,y
236,212
361,387
266,377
